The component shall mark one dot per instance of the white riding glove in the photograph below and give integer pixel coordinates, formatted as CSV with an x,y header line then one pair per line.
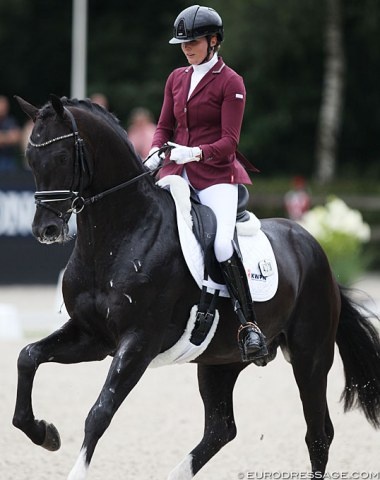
x,y
181,154
154,159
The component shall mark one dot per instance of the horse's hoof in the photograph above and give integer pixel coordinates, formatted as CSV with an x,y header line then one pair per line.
x,y
52,441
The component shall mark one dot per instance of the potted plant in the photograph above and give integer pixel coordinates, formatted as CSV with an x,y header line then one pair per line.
x,y
342,233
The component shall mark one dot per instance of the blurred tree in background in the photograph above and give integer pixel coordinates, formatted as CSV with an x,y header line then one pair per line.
x,y
332,93
278,47
35,48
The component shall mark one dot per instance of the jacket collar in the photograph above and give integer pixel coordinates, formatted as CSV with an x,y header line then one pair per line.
x,y
209,77
217,68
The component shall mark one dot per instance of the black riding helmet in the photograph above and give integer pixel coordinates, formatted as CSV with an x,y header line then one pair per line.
x,y
195,22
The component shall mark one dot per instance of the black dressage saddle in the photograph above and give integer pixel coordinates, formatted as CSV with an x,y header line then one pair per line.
x,y
204,228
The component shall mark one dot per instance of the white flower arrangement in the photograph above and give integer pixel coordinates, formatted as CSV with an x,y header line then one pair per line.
x,y
341,232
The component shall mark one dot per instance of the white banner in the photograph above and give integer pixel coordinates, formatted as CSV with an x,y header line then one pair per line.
x,y
16,213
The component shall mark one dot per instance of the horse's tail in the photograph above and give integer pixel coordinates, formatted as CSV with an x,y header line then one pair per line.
x,y
359,346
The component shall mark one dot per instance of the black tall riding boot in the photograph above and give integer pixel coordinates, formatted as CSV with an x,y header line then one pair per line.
x,y
250,338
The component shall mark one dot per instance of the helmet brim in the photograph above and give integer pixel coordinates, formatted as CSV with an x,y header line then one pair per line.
x,y
176,41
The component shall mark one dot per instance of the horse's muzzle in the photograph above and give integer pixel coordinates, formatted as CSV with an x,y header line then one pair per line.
x,y
52,232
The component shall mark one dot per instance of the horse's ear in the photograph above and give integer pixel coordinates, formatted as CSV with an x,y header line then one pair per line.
x,y
57,104
27,108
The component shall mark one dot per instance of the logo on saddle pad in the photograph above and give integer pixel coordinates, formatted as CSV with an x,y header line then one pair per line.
x,y
266,270
258,277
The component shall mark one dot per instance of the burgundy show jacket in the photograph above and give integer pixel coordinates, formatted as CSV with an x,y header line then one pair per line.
x,y
211,119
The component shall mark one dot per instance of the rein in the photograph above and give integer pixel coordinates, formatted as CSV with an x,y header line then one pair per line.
x,y
44,198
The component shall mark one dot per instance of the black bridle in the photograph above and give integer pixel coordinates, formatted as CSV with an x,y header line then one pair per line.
x,y
45,198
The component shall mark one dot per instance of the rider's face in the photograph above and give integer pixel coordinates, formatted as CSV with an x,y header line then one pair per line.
x,y
196,50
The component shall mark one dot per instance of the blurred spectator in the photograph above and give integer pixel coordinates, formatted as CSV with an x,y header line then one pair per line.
x,y
297,200
10,136
141,130
25,134
100,99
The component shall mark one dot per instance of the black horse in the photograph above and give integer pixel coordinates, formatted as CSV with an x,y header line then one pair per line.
x,y
129,292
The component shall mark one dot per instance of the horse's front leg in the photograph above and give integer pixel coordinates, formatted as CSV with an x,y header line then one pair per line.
x,y
66,345
130,362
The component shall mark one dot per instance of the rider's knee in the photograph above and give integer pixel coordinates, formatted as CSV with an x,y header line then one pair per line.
x,y
223,249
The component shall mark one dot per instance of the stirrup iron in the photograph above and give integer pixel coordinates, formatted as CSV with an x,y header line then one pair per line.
x,y
248,354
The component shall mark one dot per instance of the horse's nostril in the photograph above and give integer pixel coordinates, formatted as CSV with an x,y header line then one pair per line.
x,y
51,231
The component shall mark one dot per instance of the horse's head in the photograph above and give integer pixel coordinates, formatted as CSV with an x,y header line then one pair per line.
x,y
75,167
56,157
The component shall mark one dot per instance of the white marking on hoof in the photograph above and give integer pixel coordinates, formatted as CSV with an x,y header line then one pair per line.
x,y
183,471
79,471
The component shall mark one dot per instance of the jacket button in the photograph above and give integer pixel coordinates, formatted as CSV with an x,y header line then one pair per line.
x,y
185,109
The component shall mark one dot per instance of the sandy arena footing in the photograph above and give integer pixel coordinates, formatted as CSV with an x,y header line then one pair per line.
x,y
162,419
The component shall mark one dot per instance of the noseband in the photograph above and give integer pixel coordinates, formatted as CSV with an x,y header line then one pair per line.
x,y
81,167
45,198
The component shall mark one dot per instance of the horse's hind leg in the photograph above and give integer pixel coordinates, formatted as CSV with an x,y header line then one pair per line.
x,y
216,384
311,371
66,345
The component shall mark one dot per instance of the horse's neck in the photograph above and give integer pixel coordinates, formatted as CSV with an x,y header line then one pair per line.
x,y
120,216
125,210
114,163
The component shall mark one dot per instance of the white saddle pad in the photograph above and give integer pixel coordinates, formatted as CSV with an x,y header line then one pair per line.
x,y
257,252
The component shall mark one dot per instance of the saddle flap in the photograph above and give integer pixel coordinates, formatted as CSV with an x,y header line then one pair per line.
x,y
204,228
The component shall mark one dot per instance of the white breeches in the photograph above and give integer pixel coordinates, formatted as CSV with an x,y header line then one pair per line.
x,y
222,199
